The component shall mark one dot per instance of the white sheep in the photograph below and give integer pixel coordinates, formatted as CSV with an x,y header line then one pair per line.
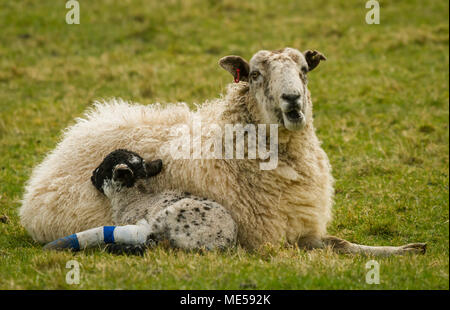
x,y
290,204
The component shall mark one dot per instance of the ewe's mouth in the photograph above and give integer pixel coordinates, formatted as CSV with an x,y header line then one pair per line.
x,y
294,120
294,116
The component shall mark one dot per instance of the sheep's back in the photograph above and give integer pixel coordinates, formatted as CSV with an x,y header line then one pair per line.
x,y
59,198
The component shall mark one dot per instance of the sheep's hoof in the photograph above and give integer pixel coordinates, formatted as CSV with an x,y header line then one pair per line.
x,y
127,249
413,248
66,243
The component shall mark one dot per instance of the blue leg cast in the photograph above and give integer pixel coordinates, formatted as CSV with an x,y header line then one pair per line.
x,y
69,242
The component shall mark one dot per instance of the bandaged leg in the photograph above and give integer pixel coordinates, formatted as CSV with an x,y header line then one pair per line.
x,y
129,234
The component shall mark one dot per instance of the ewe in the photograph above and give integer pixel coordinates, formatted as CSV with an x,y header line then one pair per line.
x,y
291,203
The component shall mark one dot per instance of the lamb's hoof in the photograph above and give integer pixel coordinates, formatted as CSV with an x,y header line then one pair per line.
x,y
127,249
414,248
66,243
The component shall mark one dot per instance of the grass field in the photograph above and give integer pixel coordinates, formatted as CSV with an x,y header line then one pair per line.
x,y
381,105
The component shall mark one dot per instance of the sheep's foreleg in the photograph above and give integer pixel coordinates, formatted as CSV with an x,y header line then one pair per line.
x,y
132,235
345,247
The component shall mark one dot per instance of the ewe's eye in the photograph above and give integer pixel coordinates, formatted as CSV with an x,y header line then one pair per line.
x,y
304,70
254,75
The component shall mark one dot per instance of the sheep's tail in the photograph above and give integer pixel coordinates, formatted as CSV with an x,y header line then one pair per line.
x,y
129,234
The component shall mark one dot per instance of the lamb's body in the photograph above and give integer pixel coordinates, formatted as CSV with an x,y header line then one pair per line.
x,y
185,221
288,203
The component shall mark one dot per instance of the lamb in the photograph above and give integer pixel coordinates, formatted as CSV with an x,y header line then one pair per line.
x,y
290,204
185,221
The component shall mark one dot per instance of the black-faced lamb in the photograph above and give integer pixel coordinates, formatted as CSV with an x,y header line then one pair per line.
x,y
144,218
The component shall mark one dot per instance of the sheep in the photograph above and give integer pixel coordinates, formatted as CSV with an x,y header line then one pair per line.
x,y
185,221
291,204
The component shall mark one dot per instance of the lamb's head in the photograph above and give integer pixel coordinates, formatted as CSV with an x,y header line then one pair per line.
x,y
278,82
122,168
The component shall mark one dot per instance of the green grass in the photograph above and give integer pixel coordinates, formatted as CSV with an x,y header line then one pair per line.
x,y
381,109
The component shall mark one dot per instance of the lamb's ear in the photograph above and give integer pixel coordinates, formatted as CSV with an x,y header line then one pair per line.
x,y
153,168
313,58
96,179
124,174
231,63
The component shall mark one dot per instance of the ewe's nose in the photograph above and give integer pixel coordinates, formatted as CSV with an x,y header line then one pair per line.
x,y
292,99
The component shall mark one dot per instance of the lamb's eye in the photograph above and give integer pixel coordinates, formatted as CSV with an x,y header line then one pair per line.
x,y
304,70
254,75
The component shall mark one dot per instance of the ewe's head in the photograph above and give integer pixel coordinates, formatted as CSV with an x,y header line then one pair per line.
x,y
277,81
122,168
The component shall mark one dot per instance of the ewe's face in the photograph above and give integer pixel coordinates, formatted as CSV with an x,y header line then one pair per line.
x,y
278,82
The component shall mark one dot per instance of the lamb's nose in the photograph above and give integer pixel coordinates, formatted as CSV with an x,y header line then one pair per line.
x,y
291,98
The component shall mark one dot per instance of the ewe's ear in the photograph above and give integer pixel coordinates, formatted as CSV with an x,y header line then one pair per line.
x,y
153,168
231,63
313,58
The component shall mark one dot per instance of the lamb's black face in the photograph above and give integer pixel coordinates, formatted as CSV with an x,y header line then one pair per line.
x,y
124,167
